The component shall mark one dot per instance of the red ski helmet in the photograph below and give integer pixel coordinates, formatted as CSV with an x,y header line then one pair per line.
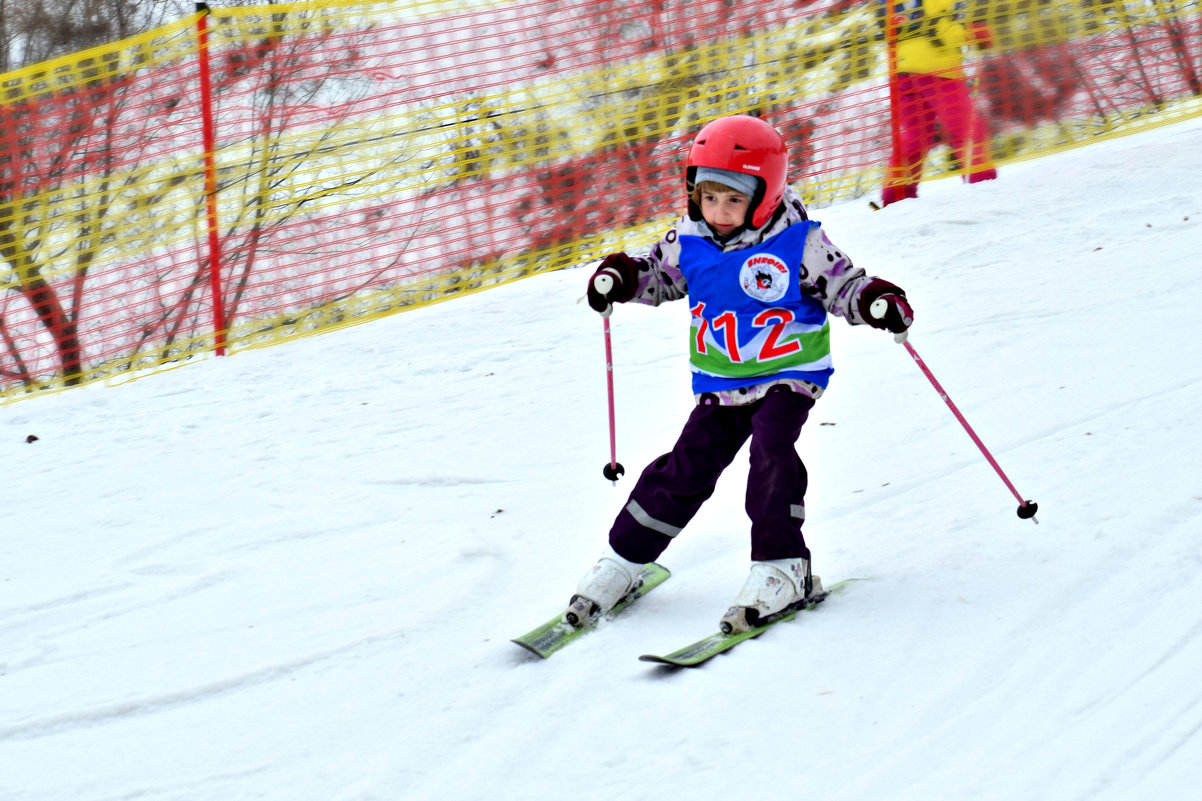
x,y
746,145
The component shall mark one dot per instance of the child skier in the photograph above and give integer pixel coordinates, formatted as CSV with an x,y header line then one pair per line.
x,y
760,278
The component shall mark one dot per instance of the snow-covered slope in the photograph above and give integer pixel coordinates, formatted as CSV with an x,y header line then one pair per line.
x,y
294,573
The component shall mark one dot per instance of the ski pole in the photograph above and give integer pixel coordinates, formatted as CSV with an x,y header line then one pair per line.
x,y
1026,508
614,468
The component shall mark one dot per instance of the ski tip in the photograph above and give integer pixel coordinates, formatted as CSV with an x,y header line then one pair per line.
x,y
530,648
665,662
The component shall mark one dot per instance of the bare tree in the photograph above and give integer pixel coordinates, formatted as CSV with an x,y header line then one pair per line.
x,y
37,30
88,178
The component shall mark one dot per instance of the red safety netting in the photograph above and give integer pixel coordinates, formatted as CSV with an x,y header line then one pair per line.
x,y
314,165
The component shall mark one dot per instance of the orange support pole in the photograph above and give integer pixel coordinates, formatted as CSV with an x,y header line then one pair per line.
x,y
210,147
893,175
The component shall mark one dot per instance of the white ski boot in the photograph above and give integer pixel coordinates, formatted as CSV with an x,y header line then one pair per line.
x,y
606,583
771,587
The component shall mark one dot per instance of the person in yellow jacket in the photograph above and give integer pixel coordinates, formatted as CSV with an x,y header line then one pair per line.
x,y
933,96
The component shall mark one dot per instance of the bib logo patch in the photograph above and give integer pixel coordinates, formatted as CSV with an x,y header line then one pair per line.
x,y
764,277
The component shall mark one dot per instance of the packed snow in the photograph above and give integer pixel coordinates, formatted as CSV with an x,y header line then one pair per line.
x,y
294,573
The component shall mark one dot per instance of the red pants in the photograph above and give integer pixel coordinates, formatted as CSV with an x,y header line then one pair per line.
x,y
926,105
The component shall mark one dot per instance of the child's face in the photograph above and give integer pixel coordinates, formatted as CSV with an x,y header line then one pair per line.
x,y
724,211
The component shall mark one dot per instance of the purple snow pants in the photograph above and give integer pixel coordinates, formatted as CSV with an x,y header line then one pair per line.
x,y
673,487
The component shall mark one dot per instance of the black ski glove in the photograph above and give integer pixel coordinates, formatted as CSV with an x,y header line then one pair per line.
x,y
884,305
614,282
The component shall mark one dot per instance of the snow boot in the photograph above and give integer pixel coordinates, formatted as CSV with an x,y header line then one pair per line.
x,y
606,583
771,587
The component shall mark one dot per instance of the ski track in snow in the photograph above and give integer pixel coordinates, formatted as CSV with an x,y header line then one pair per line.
x,y
194,695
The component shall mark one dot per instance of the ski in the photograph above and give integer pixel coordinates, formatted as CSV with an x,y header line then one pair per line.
x,y
708,647
557,633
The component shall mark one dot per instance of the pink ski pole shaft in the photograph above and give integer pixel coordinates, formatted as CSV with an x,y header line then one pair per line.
x,y
613,469
1026,508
